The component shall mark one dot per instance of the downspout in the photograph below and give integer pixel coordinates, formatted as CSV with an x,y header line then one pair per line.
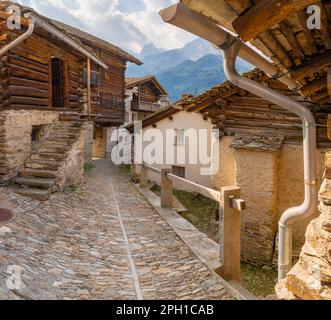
x,y
184,18
295,214
21,38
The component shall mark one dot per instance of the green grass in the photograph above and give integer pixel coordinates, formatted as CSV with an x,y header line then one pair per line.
x,y
125,169
70,189
201,213
88,167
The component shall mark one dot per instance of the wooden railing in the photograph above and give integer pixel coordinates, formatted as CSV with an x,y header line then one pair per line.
x,y
230,206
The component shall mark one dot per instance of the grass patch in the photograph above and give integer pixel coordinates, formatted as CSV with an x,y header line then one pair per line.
x,y
70,189
258,281
124,169
201,213
88,167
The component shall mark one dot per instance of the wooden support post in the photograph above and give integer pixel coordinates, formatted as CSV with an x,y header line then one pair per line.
x,y
230,233
143,177
89,88
166,189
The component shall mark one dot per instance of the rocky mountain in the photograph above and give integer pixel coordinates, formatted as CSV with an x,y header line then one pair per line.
x,y
192,69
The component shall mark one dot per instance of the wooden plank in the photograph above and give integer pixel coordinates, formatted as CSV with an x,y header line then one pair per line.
x,y
287,32
314,86
325,24
329,128
265,14
217,10
328,84
239,6
268,38
319,61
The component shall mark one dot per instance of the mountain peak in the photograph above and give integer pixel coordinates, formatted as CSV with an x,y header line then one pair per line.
x,y
149,49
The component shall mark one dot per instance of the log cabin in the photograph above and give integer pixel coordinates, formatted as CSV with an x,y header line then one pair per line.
x,y
272,181
62,93
144,96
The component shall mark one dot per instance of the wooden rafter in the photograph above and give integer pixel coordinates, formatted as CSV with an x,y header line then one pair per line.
x,y
239,5
325,28
265,14
287,32
312,87
328,85
318,62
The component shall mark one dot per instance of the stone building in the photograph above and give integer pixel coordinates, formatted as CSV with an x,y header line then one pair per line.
x,y
144,96
262,141
58,84
181,124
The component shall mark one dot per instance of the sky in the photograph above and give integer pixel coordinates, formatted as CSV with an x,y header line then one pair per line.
x,y
129,24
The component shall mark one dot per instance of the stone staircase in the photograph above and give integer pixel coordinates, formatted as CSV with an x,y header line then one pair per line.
x,y
38,179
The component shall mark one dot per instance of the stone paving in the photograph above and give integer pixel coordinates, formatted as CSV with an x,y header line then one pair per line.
x,y
102,241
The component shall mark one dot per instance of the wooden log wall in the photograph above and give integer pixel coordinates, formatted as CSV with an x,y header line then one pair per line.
x,y
108,98
147,94
25,78
255,116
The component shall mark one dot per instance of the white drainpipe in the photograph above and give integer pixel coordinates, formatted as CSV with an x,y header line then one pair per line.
x,y
232,47
20,39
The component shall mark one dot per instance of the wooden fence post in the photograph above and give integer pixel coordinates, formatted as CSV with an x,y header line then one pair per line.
x,y
143,177
230,233
166,189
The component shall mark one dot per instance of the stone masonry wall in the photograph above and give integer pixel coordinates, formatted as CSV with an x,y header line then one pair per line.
x,y
72,172
18,127
270,185
310,279
257,177
89,127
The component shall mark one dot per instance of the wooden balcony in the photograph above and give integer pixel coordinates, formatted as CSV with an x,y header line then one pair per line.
x,y
145,106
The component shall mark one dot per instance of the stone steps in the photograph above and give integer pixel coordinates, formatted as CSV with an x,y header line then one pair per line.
x,y
48,156
44,164
38,173
34,193
39,177
42,183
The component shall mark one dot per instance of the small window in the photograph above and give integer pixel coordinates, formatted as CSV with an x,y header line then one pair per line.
x,y
58,83
179,171
36,134
180,137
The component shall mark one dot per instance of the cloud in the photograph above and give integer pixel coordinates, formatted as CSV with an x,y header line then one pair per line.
x,y
127,23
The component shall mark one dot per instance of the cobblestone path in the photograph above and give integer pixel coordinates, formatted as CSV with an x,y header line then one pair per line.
x,y
102,241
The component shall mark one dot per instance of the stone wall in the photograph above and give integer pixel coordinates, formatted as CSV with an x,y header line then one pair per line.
x,y
271,183
256,175
18,127
310,279
72,172
99,142
89,127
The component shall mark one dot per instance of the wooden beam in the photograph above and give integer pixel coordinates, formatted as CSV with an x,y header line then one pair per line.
x,y
325,28
316,63
239,6
314,86
291,39
329,127
268,38
309,36
328,84
265,14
